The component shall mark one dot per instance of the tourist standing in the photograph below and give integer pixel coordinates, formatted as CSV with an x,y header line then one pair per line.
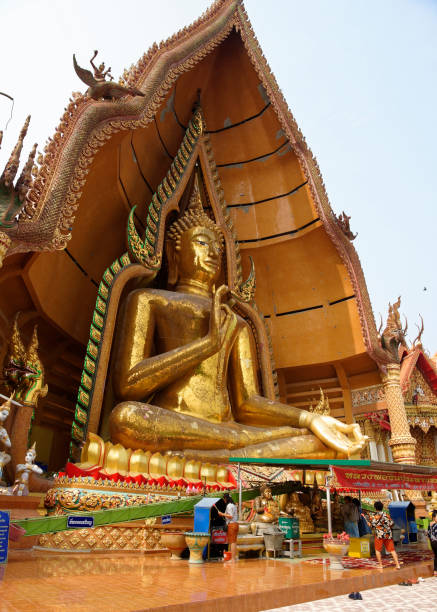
x,y
350,517
383,533
363,527
231,516
432,534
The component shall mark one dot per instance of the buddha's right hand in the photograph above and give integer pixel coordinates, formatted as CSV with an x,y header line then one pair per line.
x,y
222,318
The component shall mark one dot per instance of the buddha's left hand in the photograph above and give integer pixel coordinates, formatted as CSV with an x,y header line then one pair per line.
x,y
342,437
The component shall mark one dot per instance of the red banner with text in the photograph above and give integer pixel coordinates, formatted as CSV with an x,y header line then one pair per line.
x,y
367,479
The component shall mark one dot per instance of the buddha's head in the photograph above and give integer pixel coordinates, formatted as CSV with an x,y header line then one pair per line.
x,y
194,249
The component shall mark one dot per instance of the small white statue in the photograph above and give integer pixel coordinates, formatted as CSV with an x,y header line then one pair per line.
x,y
23,471
4,437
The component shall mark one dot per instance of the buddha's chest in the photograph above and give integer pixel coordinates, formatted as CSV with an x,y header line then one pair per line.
x,y
180,322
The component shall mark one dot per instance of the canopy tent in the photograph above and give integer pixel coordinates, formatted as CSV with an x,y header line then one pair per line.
x,y
354,473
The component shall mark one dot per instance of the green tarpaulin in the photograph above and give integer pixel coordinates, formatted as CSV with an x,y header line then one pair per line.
x,y
51,524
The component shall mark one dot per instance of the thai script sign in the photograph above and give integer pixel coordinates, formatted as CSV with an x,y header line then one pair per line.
x,y
219,536
365,479
4,536
79,522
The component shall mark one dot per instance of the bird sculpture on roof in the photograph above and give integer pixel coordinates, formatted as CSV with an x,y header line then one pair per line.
x,y
98,85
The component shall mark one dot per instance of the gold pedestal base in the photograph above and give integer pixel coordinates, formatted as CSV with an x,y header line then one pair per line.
x,y
135,536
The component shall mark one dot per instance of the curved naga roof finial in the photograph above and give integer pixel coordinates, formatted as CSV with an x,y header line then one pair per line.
x,y
417,343
12,196
392,336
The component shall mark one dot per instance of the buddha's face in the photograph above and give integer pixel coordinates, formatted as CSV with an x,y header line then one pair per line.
x,y
267,493
200,255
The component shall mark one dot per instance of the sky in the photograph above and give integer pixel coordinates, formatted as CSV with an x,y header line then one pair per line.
x,y
358,76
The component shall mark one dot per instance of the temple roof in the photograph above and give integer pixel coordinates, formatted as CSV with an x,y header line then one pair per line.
x,y
417,358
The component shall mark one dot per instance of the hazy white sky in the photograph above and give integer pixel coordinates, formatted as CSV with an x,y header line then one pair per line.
x,y
359,77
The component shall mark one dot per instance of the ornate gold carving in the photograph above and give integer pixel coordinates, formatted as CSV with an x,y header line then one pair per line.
x,y
107,537
322,407
418,392
367,395
401,442
23,369
246,291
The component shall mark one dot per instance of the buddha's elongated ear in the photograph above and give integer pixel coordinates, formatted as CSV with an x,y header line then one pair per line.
x,y
172,260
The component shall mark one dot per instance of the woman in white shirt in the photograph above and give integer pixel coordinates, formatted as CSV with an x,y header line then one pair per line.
x,y
231,516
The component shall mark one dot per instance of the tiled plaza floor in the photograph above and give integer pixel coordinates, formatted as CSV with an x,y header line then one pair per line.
x,y
134,582
420,597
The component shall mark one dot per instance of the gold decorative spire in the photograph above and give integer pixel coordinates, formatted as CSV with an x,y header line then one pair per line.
x,y
16,348
32,349
11,167
322,406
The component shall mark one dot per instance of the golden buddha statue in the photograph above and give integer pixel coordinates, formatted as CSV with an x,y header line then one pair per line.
x,y
266,508
318,513
186,367
294,507
337,516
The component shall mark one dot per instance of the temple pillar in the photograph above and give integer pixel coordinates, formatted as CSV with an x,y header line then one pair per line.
x,y
381,452
5,242
370,432
389,455
402,443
